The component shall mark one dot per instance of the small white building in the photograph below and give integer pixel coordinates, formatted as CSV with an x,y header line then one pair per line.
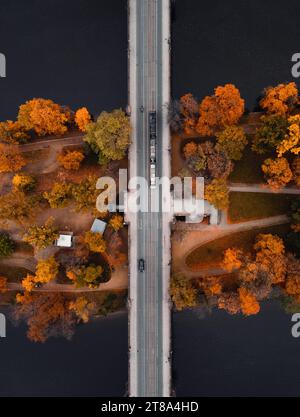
x,y
65,240
98,226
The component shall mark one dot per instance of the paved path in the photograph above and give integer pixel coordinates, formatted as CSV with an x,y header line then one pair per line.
x,y
261,188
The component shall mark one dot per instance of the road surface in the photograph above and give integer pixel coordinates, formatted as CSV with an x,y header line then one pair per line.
x,y
149,320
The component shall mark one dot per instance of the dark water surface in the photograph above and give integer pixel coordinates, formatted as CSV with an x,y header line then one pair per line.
x,y
249,44
93,363
74,52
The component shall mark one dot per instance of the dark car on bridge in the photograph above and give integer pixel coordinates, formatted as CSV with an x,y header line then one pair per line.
x,y
141,265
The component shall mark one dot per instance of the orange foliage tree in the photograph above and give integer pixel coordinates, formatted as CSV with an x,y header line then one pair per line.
x,y
46,314
225,107
11,159
46,270
82,118
277,172
232,259
95,241
3,285
249,303
71,159
190,112
44,117
280,99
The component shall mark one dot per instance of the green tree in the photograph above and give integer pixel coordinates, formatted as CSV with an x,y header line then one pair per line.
x,y
91,276
269,134
109,136
183,294
232,140
6,245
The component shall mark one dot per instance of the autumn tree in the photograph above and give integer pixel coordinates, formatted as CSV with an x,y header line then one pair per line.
x,y
292,282
270,255
95,241
218,163
224,108
249,303
85,194
3,285
13,133
190,112
43,236
83,308
230,302
29,282
232,140
182,292
71,160
270,133
60,195
116,222
232,259
82,118
23,182
217,194
109,136
190,149
44,117
46,270
46,314
277,172
280,99
90,276
296,170
11,159
18,207
291,141
6,245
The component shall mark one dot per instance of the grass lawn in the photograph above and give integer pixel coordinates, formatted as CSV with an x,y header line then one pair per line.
x,y
14,273
248,169
211,254
249,206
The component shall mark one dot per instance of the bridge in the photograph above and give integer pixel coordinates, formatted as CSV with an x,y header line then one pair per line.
x,y
149,232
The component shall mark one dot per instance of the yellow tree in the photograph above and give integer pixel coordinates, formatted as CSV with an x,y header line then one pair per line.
x,y
44,117
11,159
23,182
95,242
28,282
71,160
277,172
60,195
42,236
292,138
46,270
82,118
232,140
217,193
280,99
116,222
224,108
83,308
13,132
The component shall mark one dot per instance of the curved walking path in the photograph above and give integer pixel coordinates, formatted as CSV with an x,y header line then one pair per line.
x,y
196,238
